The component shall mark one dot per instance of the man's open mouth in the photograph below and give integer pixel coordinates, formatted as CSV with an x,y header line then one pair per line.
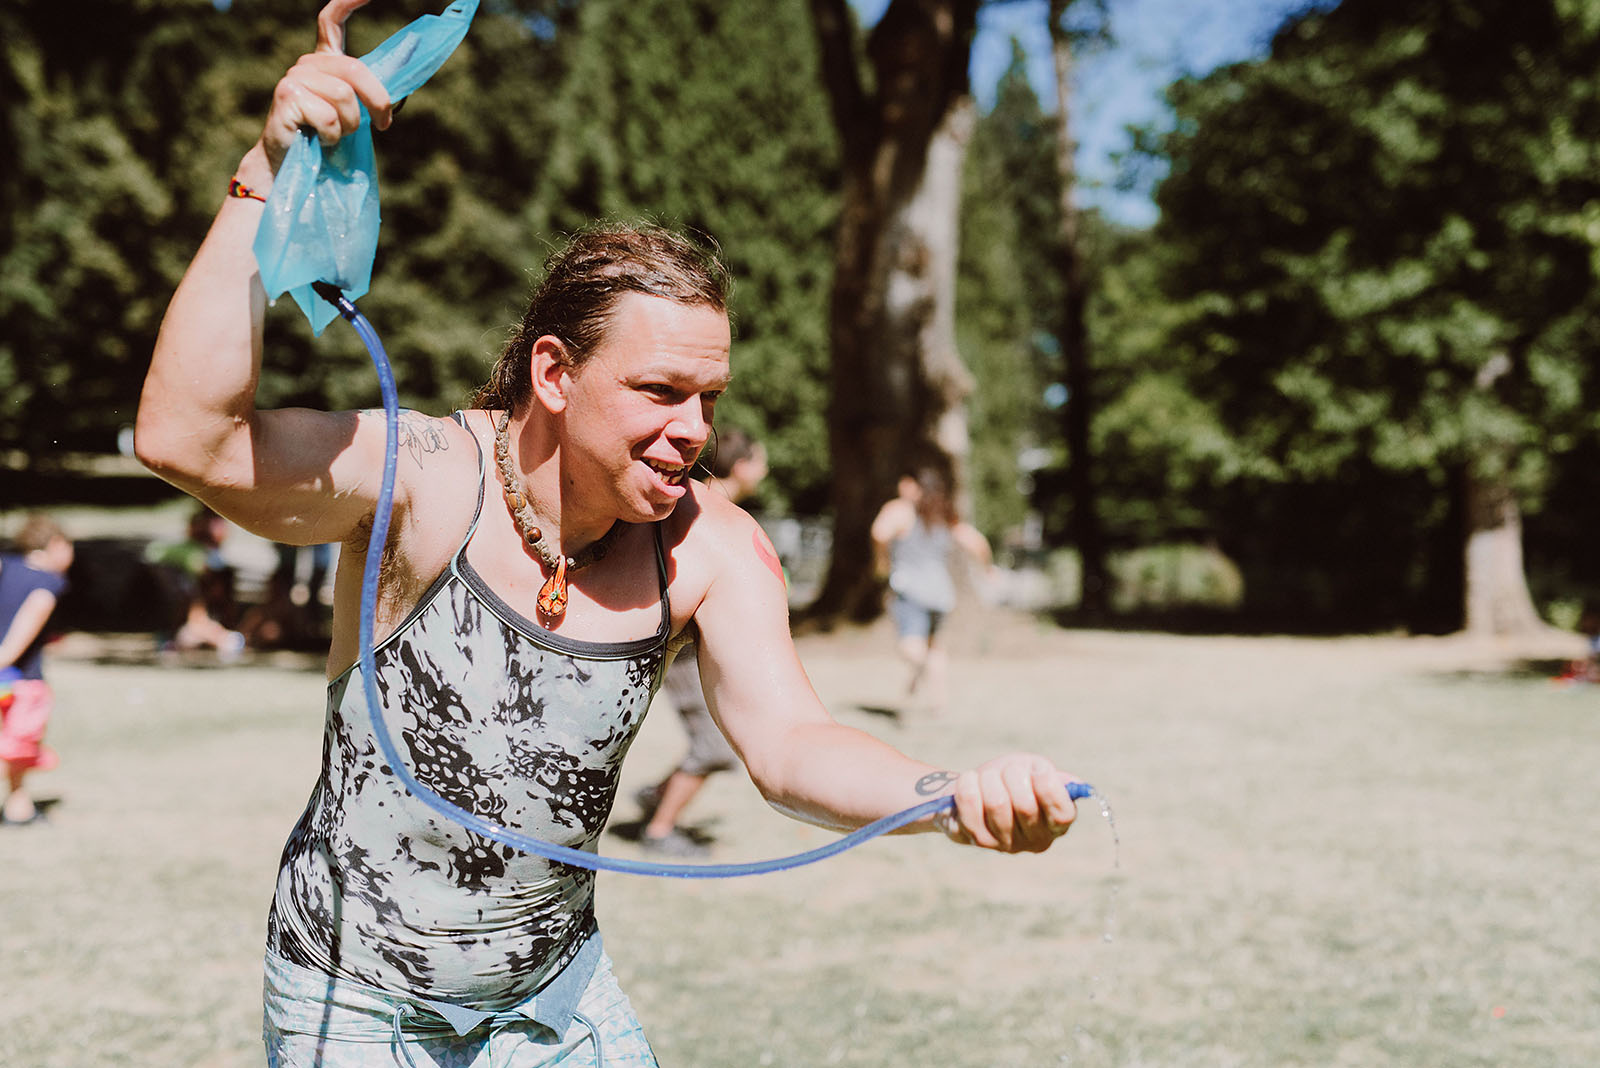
x,y
671,474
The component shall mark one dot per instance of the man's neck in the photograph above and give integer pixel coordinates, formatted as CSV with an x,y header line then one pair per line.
x,y
565,529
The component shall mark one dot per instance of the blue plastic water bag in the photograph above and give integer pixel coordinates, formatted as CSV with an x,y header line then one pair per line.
x,y
321,221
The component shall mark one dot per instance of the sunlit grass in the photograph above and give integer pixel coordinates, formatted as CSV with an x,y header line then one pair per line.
x,y
1353,852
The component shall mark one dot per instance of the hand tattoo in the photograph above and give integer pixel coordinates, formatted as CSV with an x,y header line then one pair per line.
x,y
935,782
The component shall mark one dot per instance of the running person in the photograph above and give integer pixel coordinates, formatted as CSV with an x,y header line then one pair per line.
x,y
919,541
547,551
737,468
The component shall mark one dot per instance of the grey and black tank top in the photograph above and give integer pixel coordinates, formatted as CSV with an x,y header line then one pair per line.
x,y
510,721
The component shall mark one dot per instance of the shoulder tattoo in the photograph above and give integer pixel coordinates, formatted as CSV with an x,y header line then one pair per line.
x,y
421,436
768,555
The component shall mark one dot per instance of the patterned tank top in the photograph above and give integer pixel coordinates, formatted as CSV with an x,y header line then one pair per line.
x,y
496,714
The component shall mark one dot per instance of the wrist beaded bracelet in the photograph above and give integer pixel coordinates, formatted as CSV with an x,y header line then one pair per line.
x,y
238,189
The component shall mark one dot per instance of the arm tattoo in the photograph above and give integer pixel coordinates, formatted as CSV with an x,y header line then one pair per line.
x,y
935,782
420,436
769,555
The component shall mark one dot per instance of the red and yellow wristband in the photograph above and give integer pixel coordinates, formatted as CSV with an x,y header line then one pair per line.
x,y
241,191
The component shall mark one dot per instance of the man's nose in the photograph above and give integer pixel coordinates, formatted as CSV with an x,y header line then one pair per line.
x,y
689,423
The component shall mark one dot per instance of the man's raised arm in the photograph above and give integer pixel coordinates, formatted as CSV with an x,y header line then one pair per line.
x,y
295,475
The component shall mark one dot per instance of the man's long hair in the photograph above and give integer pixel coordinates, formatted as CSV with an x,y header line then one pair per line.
x,y
584,280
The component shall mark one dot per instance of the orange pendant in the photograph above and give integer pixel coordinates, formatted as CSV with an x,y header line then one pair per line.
x,y
553,594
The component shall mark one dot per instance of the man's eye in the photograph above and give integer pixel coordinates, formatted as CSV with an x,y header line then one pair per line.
x,y
711,396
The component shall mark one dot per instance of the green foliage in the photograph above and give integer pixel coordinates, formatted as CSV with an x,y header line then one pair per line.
x,y
1381,244
125,132
1154,443
1412,190
78,208
1002,288
122,134
1157,445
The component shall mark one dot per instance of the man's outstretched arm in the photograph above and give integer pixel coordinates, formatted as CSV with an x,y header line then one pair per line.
x,y
809,765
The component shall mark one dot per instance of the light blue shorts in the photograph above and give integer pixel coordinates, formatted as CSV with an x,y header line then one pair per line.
x,y
314,1021
912,620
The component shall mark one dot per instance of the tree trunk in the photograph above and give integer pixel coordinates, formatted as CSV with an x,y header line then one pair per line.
x,y
897,382
1497,595
932,229
1078,412
1497,598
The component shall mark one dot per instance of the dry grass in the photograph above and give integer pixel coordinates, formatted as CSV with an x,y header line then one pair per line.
x,y
1353,852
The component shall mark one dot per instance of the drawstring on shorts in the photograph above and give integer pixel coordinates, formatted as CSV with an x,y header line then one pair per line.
x,y
405,1010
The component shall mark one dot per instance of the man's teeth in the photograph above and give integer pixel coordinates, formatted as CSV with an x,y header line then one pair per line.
x,y
669,472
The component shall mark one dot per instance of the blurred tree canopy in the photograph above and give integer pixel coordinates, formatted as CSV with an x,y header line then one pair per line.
x,y
1151,439
1362,334
1382,241
125,126
1004,290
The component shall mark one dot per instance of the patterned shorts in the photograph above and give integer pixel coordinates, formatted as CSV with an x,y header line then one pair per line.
x,y
313,1021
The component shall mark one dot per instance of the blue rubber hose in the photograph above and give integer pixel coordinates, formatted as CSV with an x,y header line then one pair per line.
x,y
472,821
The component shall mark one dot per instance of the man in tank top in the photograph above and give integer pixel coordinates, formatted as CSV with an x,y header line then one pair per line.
x,y
547,550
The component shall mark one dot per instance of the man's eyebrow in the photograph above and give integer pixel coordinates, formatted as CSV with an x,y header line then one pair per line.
x,y
669,371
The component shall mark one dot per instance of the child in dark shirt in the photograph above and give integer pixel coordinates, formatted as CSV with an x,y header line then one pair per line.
x,y
31,582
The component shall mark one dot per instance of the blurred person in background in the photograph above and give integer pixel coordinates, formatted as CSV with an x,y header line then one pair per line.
x,y
737,468
920,543
31,583
1586,668
283,620
199,583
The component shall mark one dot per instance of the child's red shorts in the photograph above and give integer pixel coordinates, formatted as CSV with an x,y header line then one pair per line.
x,y
24,714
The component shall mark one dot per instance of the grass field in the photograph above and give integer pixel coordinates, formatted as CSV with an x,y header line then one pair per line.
x,y
1367,851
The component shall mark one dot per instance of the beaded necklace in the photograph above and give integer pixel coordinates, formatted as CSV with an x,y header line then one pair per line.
x,y
553,594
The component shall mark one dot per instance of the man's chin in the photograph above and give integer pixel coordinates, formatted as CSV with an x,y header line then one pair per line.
x,y
651,508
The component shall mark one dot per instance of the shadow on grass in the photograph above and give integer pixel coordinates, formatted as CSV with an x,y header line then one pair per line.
x,y
633,831
1216,623
1533,669
42,808
880,710
140,649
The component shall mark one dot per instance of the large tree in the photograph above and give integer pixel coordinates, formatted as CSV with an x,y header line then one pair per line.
x,y
1387,235
1004,276
897,384
81,209
1072,328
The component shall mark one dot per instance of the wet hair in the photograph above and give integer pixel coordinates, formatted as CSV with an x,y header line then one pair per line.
x,y
37,533
582,284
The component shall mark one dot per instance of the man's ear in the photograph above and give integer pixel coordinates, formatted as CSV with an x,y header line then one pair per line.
x,y
551,373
